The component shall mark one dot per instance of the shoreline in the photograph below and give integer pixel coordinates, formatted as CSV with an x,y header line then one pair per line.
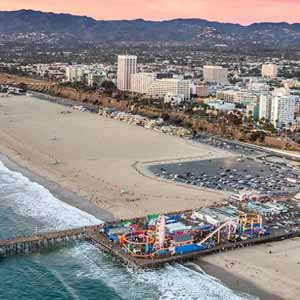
x,y
235,282
82,204
97,166
65,194
59,192
99,154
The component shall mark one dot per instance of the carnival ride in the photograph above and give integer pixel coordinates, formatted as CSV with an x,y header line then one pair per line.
x,y
150,239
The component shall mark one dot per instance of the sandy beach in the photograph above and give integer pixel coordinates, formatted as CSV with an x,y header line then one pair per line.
x,y
95,157
80,155
59,192
270,271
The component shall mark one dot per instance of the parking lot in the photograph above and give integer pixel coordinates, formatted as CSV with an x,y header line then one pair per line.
x,y
250,170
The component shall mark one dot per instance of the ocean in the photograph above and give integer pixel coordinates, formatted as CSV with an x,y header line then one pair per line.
x,y
81,271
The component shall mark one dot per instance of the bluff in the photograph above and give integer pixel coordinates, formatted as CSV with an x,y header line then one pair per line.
x,y
127,106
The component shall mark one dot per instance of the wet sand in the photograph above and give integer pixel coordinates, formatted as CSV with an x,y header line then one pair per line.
x,y
237,283
60,193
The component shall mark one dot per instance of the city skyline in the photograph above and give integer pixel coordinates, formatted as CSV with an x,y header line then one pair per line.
x,y
228,11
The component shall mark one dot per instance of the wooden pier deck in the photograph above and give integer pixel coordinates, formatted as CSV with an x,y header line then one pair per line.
x,y
35,243
92,234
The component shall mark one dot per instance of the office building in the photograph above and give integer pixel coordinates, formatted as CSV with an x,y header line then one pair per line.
x,y
231,96
142,82
126,67
202,91
75,73
160,88
269,71
215,74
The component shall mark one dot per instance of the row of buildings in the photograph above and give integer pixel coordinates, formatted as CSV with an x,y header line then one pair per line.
x,y
164,85
92,74
278,107
128,79
159,85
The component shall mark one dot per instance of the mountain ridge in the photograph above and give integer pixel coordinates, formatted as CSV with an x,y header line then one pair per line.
x,y
142,19
180,29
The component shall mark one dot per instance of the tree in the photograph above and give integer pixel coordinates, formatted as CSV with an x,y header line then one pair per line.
x,y
165,117
23,86
108,85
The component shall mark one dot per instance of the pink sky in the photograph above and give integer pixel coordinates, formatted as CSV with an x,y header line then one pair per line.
x,y
240,11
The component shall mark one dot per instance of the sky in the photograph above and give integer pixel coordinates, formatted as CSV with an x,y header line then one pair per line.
x,y
236,11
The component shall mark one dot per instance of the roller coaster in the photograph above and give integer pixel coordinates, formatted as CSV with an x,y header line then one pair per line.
x,y
149,243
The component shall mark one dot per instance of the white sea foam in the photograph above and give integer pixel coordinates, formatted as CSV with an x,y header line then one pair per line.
x,y
179,282
169,283
30,199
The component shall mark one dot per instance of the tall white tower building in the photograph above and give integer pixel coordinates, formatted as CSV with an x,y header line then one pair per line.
x,y
283,111
126,67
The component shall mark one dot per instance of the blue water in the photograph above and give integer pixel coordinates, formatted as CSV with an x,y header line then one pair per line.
x,y
80,271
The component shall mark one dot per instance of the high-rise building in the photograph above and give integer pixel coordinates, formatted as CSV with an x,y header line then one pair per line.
x,y
141,82
283,111
215,74
269,71
126,67
265,105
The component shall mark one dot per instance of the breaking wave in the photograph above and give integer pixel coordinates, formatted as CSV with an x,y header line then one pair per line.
x,y
31,200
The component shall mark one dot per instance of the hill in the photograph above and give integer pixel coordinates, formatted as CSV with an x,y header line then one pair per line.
x,y
139,30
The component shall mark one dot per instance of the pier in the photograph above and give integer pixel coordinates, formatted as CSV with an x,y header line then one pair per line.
x,y
38,242
100,241
93,235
